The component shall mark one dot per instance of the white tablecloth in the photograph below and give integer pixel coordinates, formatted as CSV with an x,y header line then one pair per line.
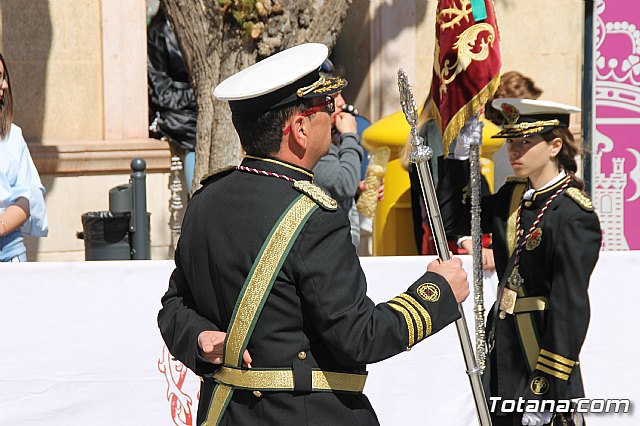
x,y
80,346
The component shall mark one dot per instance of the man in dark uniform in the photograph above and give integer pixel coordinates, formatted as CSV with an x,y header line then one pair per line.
x,y
268,303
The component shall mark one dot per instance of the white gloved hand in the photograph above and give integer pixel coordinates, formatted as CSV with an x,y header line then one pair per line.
x,y
536,419
470,134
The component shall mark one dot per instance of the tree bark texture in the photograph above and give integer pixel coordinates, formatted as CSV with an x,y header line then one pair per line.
x,y
217,40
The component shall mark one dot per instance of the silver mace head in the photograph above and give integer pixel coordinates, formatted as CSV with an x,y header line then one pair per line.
x,y
420,153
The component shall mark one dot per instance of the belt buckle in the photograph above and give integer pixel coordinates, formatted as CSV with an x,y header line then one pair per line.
x,y
507,302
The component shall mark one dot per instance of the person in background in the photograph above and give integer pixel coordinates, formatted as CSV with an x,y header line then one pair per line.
x,y
339,172
172,103
22,206
513,84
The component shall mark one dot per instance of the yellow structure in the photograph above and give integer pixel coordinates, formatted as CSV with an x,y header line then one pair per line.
x,y
393,227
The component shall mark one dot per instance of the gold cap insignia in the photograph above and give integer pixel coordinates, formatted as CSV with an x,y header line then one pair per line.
x,y
510,113
539,385
581,198
316,194
534,239
429,292
322,86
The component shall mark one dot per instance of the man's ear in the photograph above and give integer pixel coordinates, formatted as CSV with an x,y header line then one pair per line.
x,y
297,136
299,130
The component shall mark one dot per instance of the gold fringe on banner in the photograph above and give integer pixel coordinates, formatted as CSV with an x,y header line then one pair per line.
x,y
466,112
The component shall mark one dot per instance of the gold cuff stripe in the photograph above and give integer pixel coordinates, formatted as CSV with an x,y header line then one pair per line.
x,y
555,365
552,372
565,361
262,276
414,314
423,312
219,401
282,380
407,319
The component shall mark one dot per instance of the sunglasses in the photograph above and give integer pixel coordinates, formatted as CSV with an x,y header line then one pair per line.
x,y
317,104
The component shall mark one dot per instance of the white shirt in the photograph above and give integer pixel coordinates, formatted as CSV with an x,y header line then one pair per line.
x,y
528,195
19,178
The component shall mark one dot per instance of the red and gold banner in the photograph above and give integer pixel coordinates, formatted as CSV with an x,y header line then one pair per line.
x,y
466,67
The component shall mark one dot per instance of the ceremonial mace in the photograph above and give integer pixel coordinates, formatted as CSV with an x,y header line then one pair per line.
x,y
420,155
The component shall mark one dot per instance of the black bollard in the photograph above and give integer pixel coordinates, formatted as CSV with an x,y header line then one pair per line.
x,y
140,247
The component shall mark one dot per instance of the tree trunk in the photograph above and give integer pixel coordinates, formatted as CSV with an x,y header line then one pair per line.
x,y
215,45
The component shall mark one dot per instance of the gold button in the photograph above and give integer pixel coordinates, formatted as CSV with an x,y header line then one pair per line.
x,y
527,203
502,315
302,355
408,348
257,394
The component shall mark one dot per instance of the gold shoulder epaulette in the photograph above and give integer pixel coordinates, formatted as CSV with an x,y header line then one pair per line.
x,y
580,198
516,179
221,170
316,194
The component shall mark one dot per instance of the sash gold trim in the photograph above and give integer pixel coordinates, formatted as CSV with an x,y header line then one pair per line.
x,y
516,196
283,380
528,304
254,294
219,401
528,338
261,278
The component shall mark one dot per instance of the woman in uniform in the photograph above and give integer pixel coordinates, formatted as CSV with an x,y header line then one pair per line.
x,y
546,241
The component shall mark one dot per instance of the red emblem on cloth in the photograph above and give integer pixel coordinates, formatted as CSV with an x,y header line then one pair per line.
x,y
175,374
534,239
466,67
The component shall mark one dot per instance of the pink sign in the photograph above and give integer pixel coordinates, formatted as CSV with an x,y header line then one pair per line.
x,y
616,145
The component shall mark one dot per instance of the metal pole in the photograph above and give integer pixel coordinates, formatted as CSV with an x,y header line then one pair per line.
x,y
588,109
476,239
420,155
140,249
